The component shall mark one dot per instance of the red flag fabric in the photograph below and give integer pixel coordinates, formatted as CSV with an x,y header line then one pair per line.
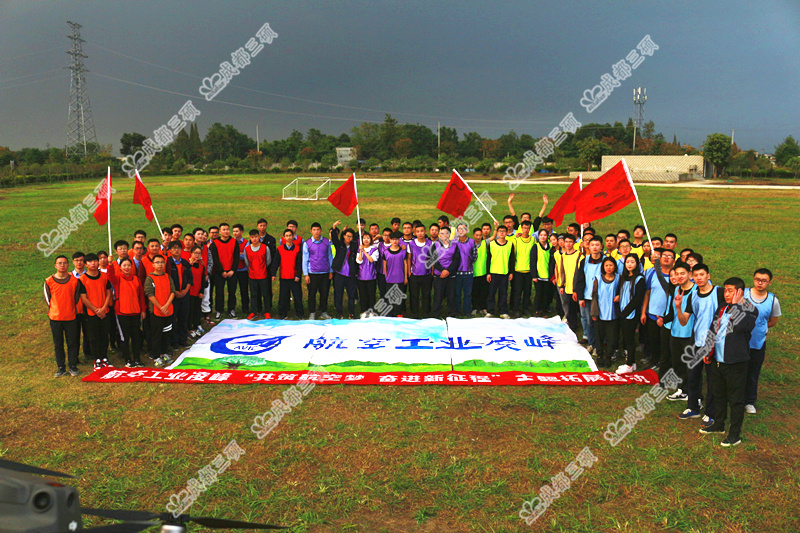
x,y
103,200
345,198
606,195
456,197
142,197
566,204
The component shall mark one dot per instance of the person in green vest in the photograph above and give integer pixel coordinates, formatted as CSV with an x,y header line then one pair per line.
x,y
480,287
523,244
543,263
500,262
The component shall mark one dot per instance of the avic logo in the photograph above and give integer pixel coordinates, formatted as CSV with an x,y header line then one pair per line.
x,y
247,344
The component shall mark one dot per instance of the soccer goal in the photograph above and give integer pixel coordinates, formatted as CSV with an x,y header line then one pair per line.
x,y
308,189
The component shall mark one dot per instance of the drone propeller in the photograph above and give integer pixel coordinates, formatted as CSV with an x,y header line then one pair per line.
x,y
28,469
207,521
128,527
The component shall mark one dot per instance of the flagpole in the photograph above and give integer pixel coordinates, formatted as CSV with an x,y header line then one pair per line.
x,y
108,200
580,188
358,211
636,195
475,195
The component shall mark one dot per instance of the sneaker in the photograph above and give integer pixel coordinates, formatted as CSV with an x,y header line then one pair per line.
x,y
325,316
474,312
688,413
750,409
167,359
130,365
61,372
267,316
488,315
712,429
707,422
584,341
159,362
591,350
625,369
232,313
218,315
251,316
731,441
312,316
138,364
73,371
98,364
678,396
505,316
106,364
200,330
699,404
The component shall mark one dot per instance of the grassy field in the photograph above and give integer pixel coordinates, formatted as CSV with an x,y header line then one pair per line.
x,y
424,459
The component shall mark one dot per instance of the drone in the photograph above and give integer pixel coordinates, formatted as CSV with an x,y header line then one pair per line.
x,y
30,504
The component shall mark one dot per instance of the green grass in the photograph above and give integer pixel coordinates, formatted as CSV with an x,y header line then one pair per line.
x,y
372,459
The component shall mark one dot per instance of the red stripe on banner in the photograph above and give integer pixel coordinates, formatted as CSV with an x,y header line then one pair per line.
x,y
241,377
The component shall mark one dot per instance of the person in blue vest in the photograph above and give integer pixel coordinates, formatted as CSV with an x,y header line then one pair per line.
x,y
733,329
655,302
605,310
702,305
317,261
680,334
769,309
632,288
588,269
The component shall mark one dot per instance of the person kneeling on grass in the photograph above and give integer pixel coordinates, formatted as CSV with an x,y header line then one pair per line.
x,y
160,291
733,328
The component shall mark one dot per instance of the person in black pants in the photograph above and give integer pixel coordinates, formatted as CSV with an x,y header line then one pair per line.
x,y
732,330
225,260
180,271
632,288
345,270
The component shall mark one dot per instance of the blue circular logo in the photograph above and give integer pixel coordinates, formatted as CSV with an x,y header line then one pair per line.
x,y
247,344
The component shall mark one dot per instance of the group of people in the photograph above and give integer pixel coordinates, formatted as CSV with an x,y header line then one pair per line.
x,y
605,287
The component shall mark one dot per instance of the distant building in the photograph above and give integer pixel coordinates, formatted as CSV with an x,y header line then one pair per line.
x,y
345,155
657,168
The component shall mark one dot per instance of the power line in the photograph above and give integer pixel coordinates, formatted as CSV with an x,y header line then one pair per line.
x,y
307,100
28,55
33,82
31,75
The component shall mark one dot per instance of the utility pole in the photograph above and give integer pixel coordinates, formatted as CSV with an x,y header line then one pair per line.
x,y
80,127
732,132
639,98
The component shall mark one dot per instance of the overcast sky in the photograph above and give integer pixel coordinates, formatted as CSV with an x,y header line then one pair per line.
x,y
477,66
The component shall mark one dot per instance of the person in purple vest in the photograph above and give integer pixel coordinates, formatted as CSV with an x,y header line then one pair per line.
x,y
419,267
468,253
317,261
367,260
444,273
344,269
394,268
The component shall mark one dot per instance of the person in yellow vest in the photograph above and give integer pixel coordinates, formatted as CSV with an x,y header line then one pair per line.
x,y
568,263
500,264
637,245
480,287
523,244
543,266
97,299
61,295
160,291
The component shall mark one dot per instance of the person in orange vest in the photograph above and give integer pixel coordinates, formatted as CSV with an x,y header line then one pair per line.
x,y
61,295
160,291
95,291
179,270
129,310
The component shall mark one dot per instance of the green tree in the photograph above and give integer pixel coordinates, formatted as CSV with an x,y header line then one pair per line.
x,y
130,143
717,150
786,150
195,145
591,151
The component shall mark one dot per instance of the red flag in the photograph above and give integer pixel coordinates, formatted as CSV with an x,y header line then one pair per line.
x,y
103,200
606,195
566,204
345,198
142,197
455,198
